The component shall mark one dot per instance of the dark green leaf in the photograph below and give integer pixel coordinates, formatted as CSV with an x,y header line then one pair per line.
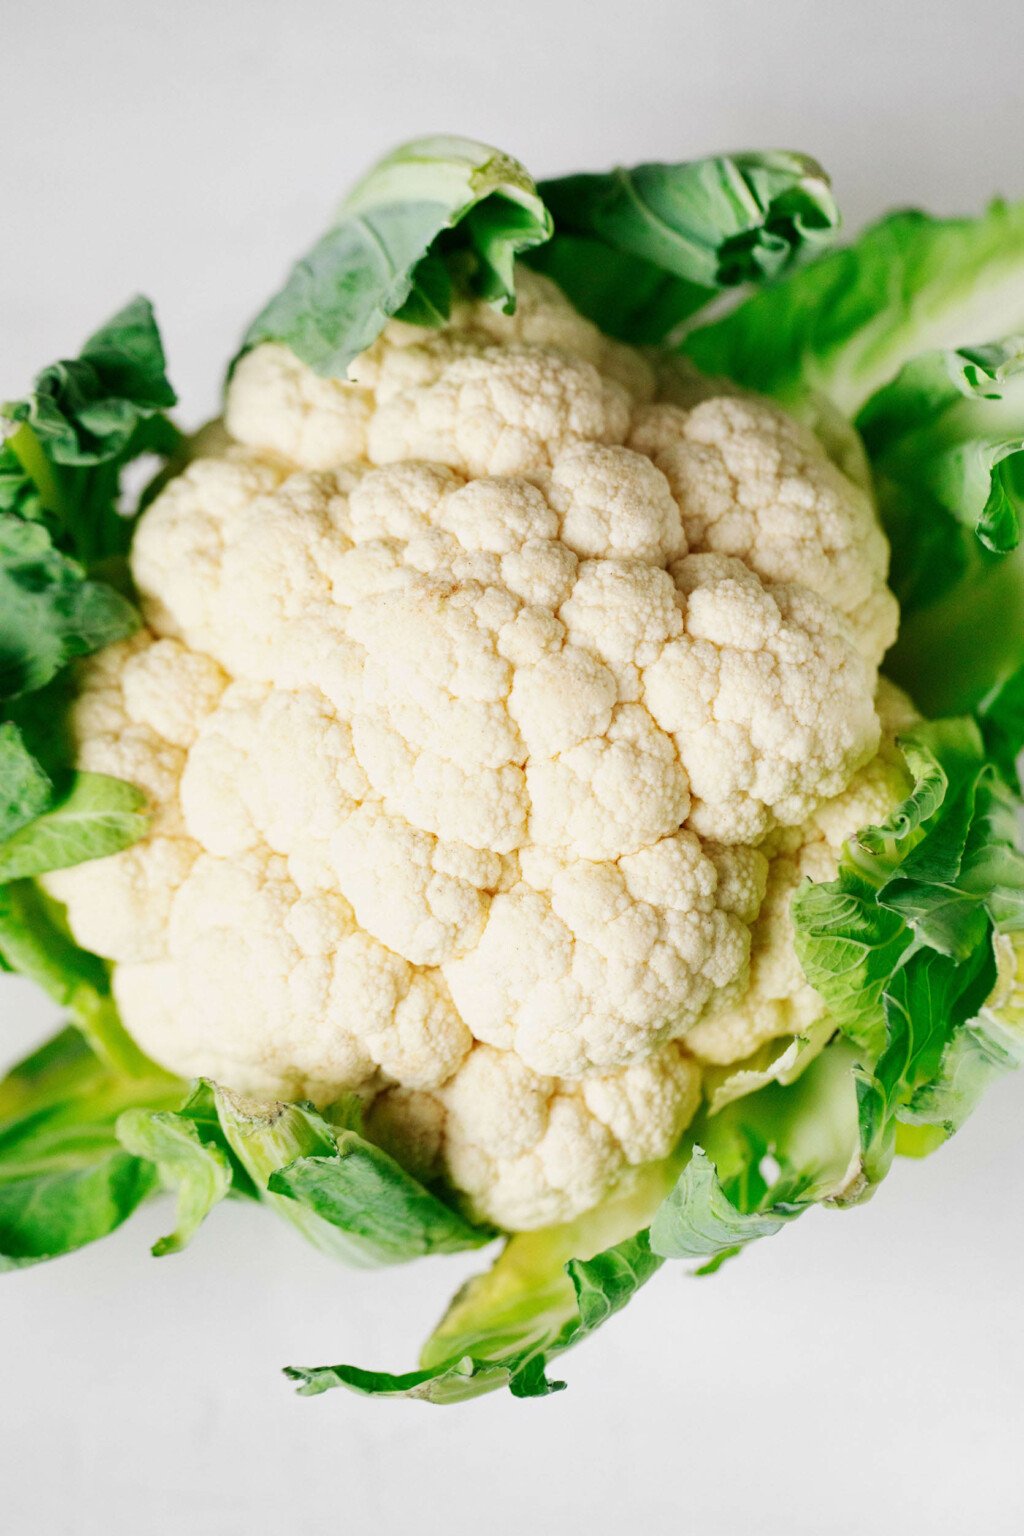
x,y
25,787
1001,716
639,250
64,1178
85,410
49,612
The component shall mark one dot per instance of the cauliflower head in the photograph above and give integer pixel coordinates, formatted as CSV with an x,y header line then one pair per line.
x,y
491,705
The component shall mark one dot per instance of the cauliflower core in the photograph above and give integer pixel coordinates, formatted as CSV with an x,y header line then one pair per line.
x,y
483,698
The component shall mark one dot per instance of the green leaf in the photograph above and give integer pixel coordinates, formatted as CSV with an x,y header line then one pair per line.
x,y
946,441
96,816
86,418
365,1193
64,1178
903,944
984,1048
698,1220
777,1061
939,872
948,432
25,787
1001,717
382,256
197,1170
546,1291
926,1003
85,410
848,946
639,250
50,612
47,1214
847,323
344,1194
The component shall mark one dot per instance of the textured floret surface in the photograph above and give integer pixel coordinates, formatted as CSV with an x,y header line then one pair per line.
x,y
492,704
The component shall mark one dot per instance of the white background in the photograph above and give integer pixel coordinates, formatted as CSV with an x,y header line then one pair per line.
x,y
863,1372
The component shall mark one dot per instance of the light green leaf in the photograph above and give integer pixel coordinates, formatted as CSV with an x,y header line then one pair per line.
x,y
777,1061
847,323
197,1170
381,256
95,817
948,433
946,441
698,1220
546,1292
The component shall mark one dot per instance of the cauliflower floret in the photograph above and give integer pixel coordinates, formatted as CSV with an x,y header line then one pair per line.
x,y
283,993
768,700
752,482
528,1150
588,964
490,699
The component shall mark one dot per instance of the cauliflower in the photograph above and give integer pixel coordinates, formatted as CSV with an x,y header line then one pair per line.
x,y
497,807
475,691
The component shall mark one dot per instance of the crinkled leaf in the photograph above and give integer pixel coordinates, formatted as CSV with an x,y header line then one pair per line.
x,y
86,418
984,1048
433,198
96,816
698,1220
848,946
847,323
947,435
49,611
945,866
639,250
939,872
546,1291
85,410
195,1168
927,1001
946,441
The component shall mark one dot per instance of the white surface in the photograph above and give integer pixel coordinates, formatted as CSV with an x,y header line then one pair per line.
x,y
862,1372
